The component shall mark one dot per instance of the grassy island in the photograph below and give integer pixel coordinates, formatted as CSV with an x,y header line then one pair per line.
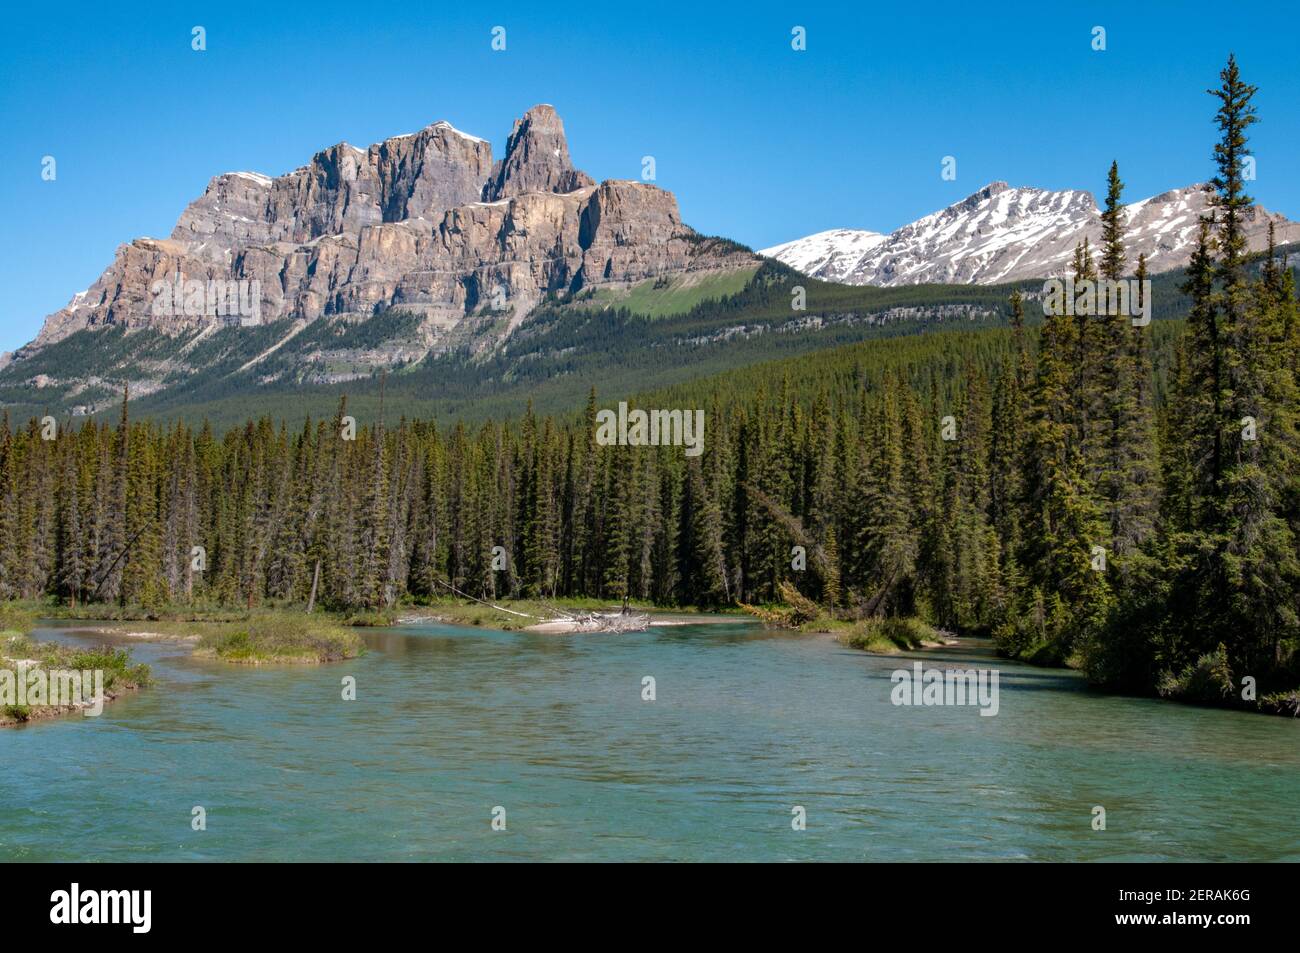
x,y
278,637
276,634
50,665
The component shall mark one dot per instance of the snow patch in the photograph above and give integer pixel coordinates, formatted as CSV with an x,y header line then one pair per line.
x,y
253,177
833,253
443,124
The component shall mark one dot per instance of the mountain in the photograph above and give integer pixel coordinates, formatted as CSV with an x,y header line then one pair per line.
x,y
481,283
830,255
425,222
1002,234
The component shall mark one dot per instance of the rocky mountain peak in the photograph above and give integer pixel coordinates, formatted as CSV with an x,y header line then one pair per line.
x,y
990,190
536,159
424,223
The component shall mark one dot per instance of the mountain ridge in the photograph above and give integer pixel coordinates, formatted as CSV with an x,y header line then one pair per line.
x,y
1003,233
426,221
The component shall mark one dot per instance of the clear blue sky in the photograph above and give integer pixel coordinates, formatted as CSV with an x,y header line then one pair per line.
x,y
759,142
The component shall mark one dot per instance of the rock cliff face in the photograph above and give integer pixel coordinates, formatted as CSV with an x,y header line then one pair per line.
x,y
425,222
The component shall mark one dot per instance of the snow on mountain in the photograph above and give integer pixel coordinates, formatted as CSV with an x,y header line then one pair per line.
x,y
1002,233
832,254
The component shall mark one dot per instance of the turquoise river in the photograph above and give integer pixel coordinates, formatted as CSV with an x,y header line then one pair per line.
x,y
746,727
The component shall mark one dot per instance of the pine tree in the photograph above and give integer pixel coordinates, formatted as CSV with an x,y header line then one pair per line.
x,y
1064,521
1127,469
1232,492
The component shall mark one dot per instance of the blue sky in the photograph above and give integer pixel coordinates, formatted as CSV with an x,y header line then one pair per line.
x,y
760,143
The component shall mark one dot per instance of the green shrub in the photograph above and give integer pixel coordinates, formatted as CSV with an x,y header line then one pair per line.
x,y
370,619
1282,703
1207,681
115,664
17,646
794,611
15,618
890,635
1037,633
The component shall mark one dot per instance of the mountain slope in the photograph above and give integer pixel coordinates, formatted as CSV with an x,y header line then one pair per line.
x,y
1003,234
662,331
832,255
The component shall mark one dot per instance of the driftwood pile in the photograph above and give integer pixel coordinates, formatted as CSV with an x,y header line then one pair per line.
x,y
607,621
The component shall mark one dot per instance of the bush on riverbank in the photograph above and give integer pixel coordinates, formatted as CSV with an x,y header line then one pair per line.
x,y
883,635
370,620
795,611
891,635
1282,703
16,619
1039,635
1210,681
280,637
1207,681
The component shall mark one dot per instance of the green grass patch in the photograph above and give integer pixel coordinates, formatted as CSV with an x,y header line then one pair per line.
x,y
278,637
672,294
659,298
16,618
119,671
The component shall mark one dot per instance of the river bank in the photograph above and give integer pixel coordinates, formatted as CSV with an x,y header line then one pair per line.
x,y
546,616
285,634
262,636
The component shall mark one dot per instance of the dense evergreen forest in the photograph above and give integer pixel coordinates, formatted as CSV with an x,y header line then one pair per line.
x,y
1125,498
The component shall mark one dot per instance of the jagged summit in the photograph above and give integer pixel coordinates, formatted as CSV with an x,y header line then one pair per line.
x,y
1006,233
425,221
536,160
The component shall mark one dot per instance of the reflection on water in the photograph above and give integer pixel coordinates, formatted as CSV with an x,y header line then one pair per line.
x,y
449,723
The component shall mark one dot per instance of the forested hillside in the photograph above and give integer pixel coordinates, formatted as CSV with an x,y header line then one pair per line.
x,y
570,344
1125,497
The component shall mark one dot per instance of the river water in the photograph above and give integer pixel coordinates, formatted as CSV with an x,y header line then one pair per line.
x,y
746,726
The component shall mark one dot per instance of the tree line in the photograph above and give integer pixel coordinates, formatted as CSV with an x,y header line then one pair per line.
x,y
1124,497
